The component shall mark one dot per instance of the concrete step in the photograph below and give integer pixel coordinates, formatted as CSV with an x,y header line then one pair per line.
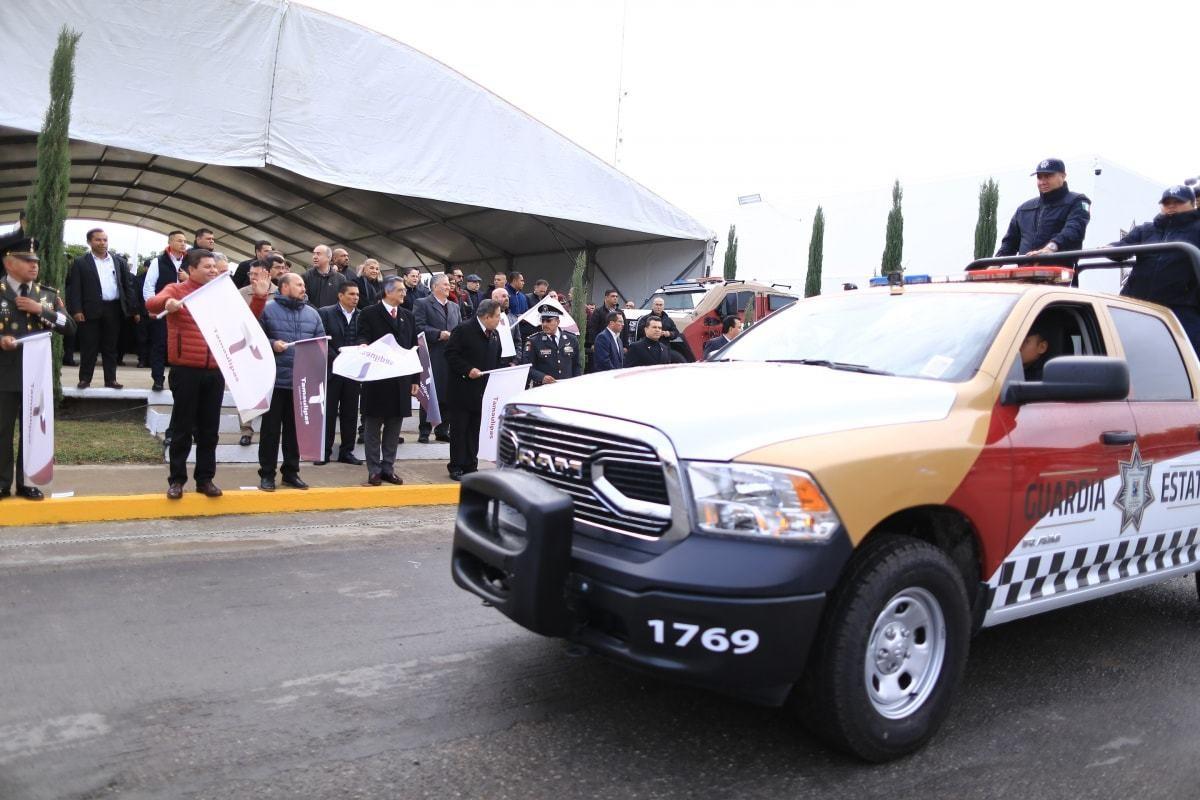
x,y
158,419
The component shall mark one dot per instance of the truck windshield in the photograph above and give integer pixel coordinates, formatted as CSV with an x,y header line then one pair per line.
x,y
675,301
917,335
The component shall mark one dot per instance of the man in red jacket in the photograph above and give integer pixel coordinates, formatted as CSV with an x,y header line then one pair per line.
x,y
196,383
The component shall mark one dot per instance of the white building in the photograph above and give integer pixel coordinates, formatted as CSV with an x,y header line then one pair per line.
x,y
939,224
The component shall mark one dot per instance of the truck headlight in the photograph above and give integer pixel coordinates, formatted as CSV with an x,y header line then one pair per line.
x,y
762,502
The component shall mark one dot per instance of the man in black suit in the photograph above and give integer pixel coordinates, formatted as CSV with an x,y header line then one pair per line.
x,y
386,403
341,394
437,316
649,349
100,297
731,326
241,275
161,272
472,349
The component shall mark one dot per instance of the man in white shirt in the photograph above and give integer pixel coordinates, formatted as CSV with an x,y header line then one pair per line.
x,y
161,273
99,297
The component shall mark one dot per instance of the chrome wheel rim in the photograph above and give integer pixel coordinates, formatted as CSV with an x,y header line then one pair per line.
x,y
905,653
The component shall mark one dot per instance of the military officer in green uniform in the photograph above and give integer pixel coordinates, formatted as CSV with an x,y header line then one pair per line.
x,y
26,307
552,354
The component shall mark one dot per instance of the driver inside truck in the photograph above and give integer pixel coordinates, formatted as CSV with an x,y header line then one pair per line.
x,y
1035,351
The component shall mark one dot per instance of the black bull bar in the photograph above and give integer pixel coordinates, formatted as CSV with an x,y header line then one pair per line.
x,y
519,564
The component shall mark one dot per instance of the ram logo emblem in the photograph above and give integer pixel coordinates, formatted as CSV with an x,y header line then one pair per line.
x,y
551,464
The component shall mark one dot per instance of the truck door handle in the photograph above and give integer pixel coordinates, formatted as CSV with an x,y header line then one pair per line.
x,y
1118,437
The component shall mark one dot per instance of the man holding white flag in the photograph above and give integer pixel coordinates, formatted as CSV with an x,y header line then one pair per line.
x,y
211,334
473,351
387,367
28,312
286,321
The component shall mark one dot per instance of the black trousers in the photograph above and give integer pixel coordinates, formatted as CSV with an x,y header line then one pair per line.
x,y
464,443
10,420
341,406
158,349
424,428
100,335
196,415
279,419
145,335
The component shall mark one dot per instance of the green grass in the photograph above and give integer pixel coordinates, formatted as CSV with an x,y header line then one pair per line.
x,y
91,441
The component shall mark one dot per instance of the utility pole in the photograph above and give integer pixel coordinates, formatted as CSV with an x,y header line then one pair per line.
x,y
620,133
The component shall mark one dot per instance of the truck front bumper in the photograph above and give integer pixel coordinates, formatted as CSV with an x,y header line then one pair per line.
x,y
513,547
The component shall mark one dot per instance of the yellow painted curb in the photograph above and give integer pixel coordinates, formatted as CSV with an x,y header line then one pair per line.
x,y
109,508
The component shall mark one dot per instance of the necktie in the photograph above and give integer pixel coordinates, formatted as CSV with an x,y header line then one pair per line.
x,y
24,290
393,313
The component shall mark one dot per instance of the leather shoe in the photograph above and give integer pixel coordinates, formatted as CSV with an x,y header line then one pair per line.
x,y
320,463
350,458
209,489
442,438
30,493
175,491
267,485
374,480
83,384
391,478
113,385
456,474
423,439
295,483
245,440
5,493
156,387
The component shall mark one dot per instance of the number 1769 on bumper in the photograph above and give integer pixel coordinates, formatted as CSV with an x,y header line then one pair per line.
x,y
718,640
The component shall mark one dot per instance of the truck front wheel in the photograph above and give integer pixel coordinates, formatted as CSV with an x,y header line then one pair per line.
x,y
891,651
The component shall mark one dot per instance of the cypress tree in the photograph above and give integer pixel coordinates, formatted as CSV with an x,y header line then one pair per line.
x,y
731,254
893,245
985,227
581,292
816,254
46,207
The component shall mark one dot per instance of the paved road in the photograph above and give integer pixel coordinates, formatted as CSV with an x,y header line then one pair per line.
x,y
328,656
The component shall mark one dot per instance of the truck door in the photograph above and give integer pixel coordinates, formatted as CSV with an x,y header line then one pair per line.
x,y
1063,455
1167,417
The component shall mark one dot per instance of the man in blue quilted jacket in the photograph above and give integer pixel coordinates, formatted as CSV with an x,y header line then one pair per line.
x,y
286,320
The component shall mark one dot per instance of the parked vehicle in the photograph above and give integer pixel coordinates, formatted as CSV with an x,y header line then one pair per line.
x,y
896,473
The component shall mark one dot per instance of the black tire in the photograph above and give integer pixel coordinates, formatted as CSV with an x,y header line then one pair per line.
x,y
841,699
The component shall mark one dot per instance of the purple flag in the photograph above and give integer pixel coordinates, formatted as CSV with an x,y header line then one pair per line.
x,y
308,396
426,390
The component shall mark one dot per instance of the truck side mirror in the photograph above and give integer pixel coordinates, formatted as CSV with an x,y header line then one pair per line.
x,y
1073,378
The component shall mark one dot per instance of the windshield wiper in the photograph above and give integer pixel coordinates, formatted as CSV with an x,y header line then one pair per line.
x,y
821,362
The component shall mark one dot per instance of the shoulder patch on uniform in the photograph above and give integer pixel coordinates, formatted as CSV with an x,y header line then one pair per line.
x,y
1085,205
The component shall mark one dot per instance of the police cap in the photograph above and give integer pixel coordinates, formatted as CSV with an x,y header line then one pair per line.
x,y
24,248
1049,165
1183,194
548,312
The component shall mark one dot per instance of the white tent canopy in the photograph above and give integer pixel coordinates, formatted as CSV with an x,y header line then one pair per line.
x,y
268,119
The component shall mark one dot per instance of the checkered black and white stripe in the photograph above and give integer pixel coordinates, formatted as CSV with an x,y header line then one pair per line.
x,y
1033,577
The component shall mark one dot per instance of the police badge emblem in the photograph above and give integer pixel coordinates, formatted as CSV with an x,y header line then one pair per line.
x,y
1135,493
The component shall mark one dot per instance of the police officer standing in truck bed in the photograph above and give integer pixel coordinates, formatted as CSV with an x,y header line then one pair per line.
x,y
1055,220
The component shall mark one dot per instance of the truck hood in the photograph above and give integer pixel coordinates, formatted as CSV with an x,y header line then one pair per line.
x,y
719,411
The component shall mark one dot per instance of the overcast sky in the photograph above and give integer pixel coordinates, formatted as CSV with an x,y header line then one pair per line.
x,y
801,101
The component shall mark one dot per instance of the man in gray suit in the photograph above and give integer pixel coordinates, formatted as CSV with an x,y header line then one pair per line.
x,y
437,317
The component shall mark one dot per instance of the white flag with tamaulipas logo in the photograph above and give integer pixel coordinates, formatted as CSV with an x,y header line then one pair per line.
x,y
37,410
237,343
501,385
